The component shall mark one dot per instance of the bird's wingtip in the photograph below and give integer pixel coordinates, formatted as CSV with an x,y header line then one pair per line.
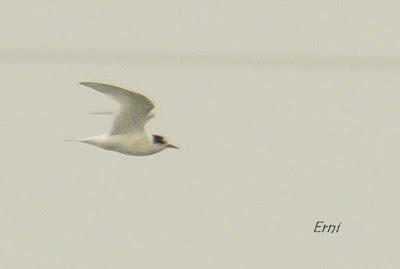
x,y
92,84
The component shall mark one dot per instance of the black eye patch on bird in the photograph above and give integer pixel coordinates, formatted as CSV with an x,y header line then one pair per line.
x,y
157,139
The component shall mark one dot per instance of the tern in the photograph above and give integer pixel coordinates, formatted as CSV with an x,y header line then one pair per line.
x,y
128,134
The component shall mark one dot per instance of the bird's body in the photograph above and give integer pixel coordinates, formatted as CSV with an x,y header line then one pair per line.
x,y
130,145
128,135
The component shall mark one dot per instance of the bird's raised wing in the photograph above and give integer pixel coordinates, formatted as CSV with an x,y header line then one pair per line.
x,y
134,108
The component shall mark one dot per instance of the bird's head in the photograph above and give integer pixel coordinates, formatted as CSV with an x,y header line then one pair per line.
x,y
161,142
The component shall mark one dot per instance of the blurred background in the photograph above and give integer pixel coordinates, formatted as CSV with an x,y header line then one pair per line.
x,y
286,113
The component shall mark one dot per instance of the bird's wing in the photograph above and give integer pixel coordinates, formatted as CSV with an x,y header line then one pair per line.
x,y
134,108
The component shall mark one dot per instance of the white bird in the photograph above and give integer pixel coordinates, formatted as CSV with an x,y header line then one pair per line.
x,y
128,134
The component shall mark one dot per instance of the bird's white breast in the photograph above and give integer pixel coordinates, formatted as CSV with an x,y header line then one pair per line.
x,y
132,145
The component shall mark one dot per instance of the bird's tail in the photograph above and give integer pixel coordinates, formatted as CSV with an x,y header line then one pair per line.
x,y
82,140
72,140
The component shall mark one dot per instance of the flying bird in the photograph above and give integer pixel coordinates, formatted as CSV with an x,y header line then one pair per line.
x,y
128,134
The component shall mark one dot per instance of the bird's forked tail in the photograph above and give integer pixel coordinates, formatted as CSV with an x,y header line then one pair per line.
x,y
71,140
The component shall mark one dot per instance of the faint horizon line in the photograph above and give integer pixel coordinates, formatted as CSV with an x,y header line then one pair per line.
x,y
205,58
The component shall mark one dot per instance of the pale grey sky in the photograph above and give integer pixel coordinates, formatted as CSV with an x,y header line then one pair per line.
x,y
349,28
266,152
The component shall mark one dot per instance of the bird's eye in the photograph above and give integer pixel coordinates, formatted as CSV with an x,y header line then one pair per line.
x,y
157,139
